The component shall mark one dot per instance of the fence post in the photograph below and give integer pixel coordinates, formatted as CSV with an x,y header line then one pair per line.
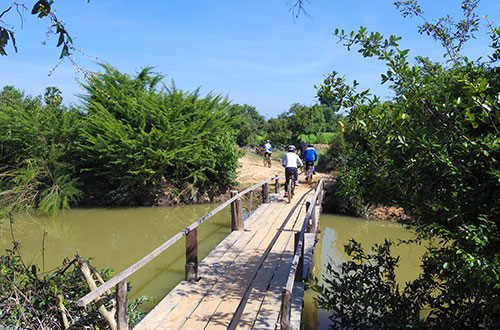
x,y
236,213
276,185
121,305
286,304
265,193
191,267
309,221
250,203
300,266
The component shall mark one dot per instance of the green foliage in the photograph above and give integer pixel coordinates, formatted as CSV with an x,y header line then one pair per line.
x,y
30,300
249,125
434,151
315,124
35,153
277,131
363,293
305,120
136,143
42,9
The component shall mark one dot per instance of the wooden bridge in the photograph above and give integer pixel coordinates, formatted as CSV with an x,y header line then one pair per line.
x,y
254,279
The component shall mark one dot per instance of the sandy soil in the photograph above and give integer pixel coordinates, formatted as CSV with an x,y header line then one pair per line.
x,y
253,171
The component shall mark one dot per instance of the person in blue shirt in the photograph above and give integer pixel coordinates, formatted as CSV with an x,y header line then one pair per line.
x,y
310,156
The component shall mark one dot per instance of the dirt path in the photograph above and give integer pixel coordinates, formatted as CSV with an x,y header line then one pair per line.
x,y
253,171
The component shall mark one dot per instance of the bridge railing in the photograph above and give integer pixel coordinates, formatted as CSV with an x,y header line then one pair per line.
x,y
310,225
120,280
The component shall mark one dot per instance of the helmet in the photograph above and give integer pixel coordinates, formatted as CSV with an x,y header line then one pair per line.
x,y
267,141
291,148
311,146
303,141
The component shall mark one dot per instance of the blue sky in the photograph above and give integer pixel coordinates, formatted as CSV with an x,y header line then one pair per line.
x,y
253,51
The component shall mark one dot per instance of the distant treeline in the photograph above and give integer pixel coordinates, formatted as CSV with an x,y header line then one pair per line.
x,y
133,141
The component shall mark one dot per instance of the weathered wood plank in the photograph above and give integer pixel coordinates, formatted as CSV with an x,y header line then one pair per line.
x,y
309,239
232,273
189,303
268,315
238,276
250,306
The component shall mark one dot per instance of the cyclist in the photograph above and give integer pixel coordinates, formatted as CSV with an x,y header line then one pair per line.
x,y
290,162
268,149
303,147
309,157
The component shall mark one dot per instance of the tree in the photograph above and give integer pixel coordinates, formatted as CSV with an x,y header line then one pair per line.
x,y
433,150
36,169
143,146
42,9
250,125
305,120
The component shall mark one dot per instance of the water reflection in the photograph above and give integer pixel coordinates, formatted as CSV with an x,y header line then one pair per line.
x,y
336,231
117,238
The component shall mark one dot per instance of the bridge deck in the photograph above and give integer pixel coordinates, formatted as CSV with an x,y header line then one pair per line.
x,y
242,278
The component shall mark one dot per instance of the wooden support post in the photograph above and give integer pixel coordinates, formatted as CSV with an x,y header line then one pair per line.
x,y
310,221
276,185
250,203
286,309
265,193
236,213
191,267
121,304
300,266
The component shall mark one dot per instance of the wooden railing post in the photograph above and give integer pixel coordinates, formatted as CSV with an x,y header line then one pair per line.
x,y
300,265
121,305
236,213
310,221
250,203
265,193
277,185
286,309
191,267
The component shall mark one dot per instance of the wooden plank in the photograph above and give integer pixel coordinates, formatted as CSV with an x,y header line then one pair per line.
x,y
96,293
268,315
208,268
249,308
297,304
222,260
259,290
189,303
238,276
228,300
309,241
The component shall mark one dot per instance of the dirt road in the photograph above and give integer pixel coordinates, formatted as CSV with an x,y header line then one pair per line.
x,y
253,171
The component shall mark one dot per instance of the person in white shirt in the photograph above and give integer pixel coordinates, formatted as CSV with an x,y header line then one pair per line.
x,y
268,150
291,161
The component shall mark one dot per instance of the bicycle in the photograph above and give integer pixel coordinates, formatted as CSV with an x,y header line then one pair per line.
x,y
291,188
309,169
267,159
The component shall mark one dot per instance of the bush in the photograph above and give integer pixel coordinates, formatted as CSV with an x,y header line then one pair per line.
x,y
138,145
30,300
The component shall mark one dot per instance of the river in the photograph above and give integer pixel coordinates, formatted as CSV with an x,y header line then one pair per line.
x,y
117,238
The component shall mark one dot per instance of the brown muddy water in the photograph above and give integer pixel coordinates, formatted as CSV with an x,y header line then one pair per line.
x,y
117,238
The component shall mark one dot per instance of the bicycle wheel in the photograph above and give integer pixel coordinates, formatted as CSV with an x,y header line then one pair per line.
x,y
290,190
